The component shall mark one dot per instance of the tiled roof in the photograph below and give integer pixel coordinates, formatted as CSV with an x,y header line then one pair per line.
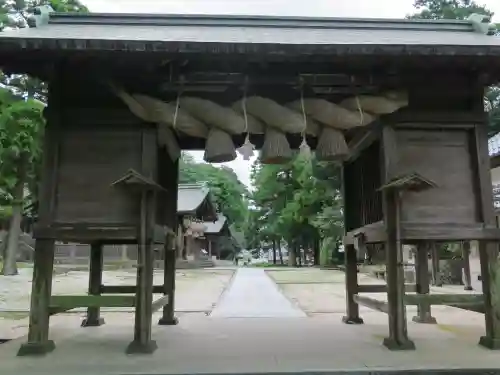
x,y
195,33
215,227
190,197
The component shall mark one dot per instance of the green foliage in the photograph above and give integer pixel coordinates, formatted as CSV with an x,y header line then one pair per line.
x,y
448,9
21,128
229,193
298,202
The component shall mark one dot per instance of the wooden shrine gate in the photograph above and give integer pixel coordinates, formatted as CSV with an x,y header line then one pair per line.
x,y
417,175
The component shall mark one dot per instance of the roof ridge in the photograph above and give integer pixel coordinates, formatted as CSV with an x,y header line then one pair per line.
x,y
133,19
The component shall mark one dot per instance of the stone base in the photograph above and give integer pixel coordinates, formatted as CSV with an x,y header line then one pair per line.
x,y
348,320
489,342
424,319
92,322
168,322
394,345
36,348
137,348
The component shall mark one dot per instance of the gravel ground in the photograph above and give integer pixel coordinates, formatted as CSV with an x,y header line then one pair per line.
x,y
197,291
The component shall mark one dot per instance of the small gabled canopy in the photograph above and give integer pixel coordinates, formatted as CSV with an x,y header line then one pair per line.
x,y
196,200
218,227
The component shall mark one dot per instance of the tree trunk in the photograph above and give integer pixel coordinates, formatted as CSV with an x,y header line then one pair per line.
x,y
10,256
316,250
274,251
280,253
292,256
306,250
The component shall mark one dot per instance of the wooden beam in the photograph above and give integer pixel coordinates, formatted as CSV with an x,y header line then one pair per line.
x,y
72,302
373,233
92,232
382,288
372,303
364,137
159,303
444,299
127,289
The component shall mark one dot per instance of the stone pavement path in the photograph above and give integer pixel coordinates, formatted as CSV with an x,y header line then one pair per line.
x,y
252,294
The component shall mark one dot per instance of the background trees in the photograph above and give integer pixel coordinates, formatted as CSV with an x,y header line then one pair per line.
x,y
297,204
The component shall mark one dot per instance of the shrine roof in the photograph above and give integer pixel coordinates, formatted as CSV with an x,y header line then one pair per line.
x,y
190,197
252,34
216,226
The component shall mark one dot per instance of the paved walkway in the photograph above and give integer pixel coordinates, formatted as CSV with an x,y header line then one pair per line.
x,y
253,294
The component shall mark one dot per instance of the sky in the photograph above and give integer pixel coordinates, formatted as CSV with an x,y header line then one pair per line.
x,y
325,8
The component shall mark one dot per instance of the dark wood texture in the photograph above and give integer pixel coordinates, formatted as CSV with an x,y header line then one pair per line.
x,y
398,333
126,289
351,285
423,284
93,318
430,153
488,251
369,288
171,175
92,158
467,279
41,287
371,303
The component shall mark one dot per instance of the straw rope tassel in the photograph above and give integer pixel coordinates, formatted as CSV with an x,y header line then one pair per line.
x,y
304,147
247,149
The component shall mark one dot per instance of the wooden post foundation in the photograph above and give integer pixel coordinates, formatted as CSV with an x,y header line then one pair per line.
x,y
466,259
143,343
38,334
93,318
168,318
351,284
398,332
422,267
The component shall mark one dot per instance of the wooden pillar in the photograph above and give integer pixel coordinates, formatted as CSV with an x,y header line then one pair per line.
x,y
436,273
466,265
38,333
422,275
43,262
170,252
488,251
209,247
95,281
142,343
351,285
168,318
398,332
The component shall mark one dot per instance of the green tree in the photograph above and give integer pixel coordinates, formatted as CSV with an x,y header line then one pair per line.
x,y
21,127
298,202
448,9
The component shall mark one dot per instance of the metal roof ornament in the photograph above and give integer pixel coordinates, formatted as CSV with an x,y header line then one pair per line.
x,y
482,24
